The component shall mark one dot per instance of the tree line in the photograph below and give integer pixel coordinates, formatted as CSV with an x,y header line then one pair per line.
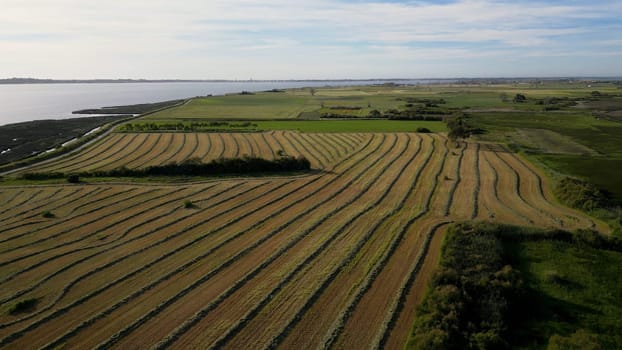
x,y
191,167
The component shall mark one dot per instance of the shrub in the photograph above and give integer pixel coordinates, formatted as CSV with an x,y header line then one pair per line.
x,y
519,98
471,295
582,195
48,214
73,178
188,204
220,166
423,130
23,306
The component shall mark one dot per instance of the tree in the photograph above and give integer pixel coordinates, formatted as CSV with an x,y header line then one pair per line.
x,y
458,129
520,98
312,91
375,114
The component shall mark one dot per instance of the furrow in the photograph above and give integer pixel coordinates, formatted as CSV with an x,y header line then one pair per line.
x,y
153,284
70,230
94,152
177,151
115,150
394,311
393,258
495,192
455,184
125,156
278,339
202,313
337,326
143,154
152,153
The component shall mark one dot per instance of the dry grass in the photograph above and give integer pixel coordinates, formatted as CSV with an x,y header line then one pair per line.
x,y
337,258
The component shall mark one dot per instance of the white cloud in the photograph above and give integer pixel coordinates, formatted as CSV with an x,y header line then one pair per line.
x,y
276,38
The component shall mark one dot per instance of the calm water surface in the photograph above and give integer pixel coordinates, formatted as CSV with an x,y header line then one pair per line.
x,y
19,103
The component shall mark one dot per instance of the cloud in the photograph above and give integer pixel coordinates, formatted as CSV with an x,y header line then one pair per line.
x,y
158,38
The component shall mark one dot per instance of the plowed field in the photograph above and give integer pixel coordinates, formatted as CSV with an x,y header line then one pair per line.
x,y
336,259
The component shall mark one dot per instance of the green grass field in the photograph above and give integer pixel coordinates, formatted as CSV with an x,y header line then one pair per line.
x,y
353,125
574,287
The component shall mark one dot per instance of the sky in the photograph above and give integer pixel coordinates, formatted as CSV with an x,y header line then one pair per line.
x,y
308,39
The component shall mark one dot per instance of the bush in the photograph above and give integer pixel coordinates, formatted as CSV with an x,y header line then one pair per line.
x,y
471,296
192,167
520,98
48,214
73,178
423,130
188,204
582,195
23,306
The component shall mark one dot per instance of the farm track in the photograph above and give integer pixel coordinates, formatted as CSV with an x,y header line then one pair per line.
x,y
336,259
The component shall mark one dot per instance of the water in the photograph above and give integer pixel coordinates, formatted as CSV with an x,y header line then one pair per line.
x,y
19,103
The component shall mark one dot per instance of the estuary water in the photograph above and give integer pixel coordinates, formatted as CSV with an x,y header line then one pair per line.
x,y
26,102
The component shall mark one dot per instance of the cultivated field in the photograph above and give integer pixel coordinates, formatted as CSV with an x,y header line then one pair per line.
x,y
335,259
139,150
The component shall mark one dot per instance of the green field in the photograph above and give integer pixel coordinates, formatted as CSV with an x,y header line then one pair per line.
x,y
566,125
509,287
572,288
353,125
256,106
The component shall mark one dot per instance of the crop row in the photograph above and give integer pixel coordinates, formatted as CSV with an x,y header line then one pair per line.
x,y
232,260
123,234
61,223
62,207
478,180
71,230
199,315
34,325
390,266
316,253
516,178
125,156
203,256
101,268
94,153
55,201
373,225
340,321
495,192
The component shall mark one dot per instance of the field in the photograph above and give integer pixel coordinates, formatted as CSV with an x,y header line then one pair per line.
x,y
337,258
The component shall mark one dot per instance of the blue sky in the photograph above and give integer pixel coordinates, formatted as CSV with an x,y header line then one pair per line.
x,y
309,39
